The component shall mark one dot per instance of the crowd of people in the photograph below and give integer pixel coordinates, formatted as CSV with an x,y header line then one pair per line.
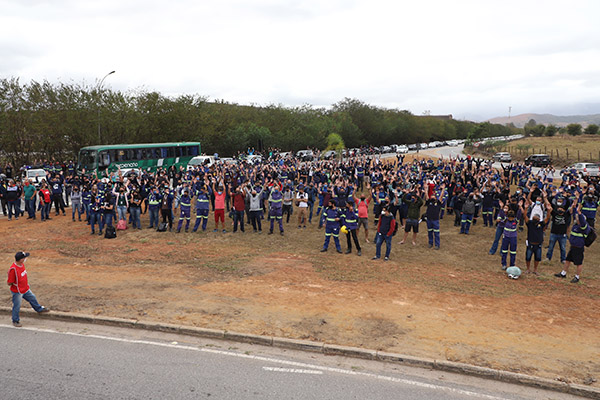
x,y
338,195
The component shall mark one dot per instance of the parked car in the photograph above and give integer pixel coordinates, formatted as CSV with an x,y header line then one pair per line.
x,y
538,160
386,149
329,155
413,146
423,146
585,169
402,149
200,161
305,155
36,176
502,157
254,159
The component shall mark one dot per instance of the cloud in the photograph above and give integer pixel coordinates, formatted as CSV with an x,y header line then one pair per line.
x,y
461,57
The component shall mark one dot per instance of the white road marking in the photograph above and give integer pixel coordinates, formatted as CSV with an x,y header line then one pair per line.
x,y
294,370
276,361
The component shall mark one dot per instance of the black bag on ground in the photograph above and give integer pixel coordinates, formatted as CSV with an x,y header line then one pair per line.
x,y
110,232
162,227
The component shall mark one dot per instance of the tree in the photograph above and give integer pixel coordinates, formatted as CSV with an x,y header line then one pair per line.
x,y
335,142
574,129
591,129
531,123
551,130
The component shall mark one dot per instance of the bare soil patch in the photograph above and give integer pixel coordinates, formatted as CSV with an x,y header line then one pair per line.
x,y
453,304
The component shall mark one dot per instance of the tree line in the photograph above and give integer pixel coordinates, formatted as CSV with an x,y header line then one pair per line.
x,y
532,128
44,120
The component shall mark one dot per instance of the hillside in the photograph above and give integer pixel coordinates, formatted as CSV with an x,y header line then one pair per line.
x,y
548,119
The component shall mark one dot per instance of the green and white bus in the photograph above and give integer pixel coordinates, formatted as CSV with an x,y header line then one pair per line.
x,y
150,156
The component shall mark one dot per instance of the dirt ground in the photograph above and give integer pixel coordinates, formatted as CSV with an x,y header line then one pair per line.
x,y
452,304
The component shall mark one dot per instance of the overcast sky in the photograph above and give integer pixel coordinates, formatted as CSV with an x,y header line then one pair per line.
x,y
471,59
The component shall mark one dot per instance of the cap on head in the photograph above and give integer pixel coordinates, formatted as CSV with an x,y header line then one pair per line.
x,y
21,255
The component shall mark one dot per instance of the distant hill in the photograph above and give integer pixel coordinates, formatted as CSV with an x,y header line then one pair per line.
x,y
548,119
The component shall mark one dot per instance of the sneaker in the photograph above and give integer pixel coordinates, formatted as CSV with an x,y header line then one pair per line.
x,y
375,258
430,245
559,275
224,231
437,247
270,232
386,259
44,310
215,230
339,251
17,324
281,233
323,250
504,268
359,253
575,280
348,251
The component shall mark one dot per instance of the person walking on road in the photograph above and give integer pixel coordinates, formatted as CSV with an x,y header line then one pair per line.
x,y
17,280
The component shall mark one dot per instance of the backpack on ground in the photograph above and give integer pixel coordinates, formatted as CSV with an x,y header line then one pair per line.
x,y
162,227
110,232
121,225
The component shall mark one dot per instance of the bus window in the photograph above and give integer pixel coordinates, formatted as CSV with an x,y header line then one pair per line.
x,y
171,152
104,159
138,154
164,152
193,151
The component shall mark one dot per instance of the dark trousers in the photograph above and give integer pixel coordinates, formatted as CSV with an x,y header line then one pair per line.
x,y
167,216
352,233
238,216
255,220
58,202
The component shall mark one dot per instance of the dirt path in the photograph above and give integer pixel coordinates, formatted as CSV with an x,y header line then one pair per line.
x,y
454,304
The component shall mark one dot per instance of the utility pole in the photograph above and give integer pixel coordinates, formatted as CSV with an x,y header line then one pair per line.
x,y
98,90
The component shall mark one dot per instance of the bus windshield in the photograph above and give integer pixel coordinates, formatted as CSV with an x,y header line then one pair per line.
x,y
88,159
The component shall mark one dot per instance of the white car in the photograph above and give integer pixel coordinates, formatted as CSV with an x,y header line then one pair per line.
x,y
585,169
200,161
254,159
36,176
402,149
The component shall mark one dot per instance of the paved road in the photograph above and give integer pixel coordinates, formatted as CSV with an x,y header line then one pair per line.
x,y
56,360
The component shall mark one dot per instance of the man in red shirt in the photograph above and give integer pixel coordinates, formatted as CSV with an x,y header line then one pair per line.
x,y
17,280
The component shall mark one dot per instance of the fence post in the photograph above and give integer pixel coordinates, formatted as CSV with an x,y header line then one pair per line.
x,y
545,151
578,159
567,149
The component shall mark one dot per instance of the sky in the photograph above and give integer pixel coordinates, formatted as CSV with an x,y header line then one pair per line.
x,y
472,59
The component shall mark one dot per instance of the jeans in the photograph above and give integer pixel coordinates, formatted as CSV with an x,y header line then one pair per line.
x,y
107,220
135,215
96,218
499,232
30,205
562,244
311,207
379,239
153,217
238,216
46,211
122,212
255,220
17,299
13,208
76,208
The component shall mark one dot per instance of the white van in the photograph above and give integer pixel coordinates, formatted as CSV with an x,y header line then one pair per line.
x,y
201,161
36,176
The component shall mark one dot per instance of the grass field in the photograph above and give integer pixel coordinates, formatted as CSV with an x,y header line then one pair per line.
x,y
563,149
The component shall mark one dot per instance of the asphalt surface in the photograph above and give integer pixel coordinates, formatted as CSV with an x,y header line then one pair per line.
x,y
57,360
